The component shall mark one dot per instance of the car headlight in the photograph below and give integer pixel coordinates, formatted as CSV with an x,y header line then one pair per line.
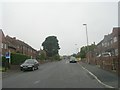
x,y
21,66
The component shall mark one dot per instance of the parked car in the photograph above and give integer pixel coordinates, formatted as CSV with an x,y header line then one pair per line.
x,y
106,54
73,60
29,64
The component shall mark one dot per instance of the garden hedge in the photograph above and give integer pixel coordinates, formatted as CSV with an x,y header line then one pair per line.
x,y
16,58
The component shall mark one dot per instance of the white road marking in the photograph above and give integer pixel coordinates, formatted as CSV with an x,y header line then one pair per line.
x,y
36,82
97,78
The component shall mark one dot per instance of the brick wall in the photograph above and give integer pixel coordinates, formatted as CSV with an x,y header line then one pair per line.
x,y
108,63
119,51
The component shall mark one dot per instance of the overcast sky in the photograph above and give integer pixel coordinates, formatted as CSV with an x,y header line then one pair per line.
x,y
32,22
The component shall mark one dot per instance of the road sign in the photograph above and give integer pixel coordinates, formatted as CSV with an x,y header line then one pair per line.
x,y
7,55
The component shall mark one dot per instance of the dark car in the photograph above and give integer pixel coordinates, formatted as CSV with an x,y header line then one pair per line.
x,y
29,64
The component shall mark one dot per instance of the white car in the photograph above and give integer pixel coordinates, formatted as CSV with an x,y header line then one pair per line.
x,y
106,54
73,60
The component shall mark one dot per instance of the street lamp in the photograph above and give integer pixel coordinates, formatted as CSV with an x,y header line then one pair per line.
x,y
76,48
87,40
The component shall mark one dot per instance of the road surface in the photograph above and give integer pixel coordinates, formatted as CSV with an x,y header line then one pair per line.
x,y
59,74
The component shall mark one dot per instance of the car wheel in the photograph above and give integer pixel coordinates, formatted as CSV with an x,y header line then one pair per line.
x,y
33,68
21,69
37,67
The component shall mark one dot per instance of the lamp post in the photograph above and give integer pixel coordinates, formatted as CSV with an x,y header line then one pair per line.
x,y
87,40
76,48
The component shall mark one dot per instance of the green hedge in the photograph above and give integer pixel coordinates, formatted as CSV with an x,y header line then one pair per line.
x,y
16,59
3,61
57,57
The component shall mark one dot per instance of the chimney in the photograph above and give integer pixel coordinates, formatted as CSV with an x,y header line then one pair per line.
x,y
14,38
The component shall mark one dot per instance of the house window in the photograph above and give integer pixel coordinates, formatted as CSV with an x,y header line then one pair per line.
x,y
102,44
105,44
115,39
111,41
28,49
108,44
1,45
5,46
116,52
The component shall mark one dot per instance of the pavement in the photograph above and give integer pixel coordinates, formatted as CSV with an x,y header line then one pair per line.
x,y
104,76
15,69
61,74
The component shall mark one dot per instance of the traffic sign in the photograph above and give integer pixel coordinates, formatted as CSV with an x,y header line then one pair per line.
x,y
7,55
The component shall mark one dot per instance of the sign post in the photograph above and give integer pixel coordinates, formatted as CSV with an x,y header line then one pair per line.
x,y
7,55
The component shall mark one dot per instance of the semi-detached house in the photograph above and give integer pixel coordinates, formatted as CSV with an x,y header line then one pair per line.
x,y
109,43
16,46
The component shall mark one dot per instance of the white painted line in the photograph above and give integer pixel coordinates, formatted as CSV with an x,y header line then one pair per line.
x,y
36,82
97,78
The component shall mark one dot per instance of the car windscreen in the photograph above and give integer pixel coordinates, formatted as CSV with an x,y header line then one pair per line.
x,y
72,58
29,62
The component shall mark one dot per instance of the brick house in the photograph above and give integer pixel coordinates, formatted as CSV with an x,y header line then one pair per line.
x,y
17,46
6,46
119,51
1,35
109,43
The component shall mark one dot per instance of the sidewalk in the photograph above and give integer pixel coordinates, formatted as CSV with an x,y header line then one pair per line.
x,y
13,70
104,76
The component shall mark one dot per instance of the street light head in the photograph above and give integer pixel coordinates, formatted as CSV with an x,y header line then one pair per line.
x,y
84,24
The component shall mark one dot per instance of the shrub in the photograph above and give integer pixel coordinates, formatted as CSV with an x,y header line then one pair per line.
x,y
17,58
56,57
3,61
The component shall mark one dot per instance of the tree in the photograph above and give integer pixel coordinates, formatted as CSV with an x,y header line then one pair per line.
x,y
42,55
51,46
84,50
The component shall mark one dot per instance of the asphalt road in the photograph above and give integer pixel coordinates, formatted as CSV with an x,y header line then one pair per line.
x,y
61,74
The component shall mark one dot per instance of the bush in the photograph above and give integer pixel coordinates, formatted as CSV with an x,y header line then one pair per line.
x,y
3,61
17,58
56,57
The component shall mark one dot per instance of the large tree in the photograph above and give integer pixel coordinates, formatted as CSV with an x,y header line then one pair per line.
x,y
51,46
